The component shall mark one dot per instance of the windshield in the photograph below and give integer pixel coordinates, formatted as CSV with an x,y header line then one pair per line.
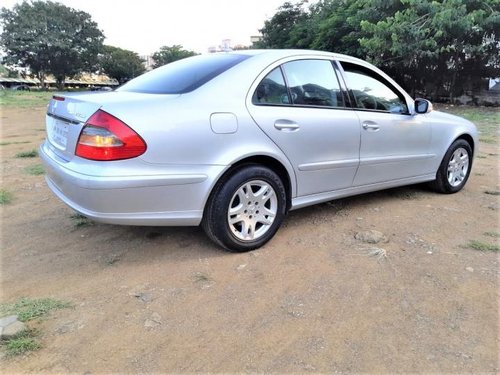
x,y
184,75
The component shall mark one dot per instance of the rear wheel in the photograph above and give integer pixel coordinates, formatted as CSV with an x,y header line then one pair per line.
x,y
246,209
455,168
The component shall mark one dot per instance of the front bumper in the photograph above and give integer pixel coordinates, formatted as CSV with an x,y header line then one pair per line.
x,y
131,192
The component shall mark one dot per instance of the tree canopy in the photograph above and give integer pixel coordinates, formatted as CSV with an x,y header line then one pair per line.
x,y
284,28
121,64
50,38
428,46
168,54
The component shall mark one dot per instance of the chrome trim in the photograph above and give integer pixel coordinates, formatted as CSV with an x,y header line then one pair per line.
x,y
329,165
395,159
60,118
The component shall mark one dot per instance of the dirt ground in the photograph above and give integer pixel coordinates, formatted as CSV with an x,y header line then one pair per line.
x,y
312,300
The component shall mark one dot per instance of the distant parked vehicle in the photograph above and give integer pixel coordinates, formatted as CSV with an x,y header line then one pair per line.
x,y
101,88
20,88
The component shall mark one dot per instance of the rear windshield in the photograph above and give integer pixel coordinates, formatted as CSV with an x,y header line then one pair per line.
x,y
184,75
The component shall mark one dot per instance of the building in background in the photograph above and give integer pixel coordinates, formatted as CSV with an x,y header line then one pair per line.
x,y
256,38
148,62
225,46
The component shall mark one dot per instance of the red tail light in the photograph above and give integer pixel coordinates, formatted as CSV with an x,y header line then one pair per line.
x,y
104,137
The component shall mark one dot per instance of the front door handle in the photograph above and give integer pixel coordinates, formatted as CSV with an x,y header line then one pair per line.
x,y
286,125
370,126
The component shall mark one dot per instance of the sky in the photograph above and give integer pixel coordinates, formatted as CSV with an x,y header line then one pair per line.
x,y
146,25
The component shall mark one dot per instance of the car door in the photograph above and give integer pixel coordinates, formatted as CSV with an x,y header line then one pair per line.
x,y
308,120
394,143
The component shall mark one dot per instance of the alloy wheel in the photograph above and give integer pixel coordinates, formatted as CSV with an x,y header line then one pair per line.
x,y
252,210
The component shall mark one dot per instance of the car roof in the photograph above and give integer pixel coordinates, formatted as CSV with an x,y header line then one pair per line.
x,y
276,54
262,58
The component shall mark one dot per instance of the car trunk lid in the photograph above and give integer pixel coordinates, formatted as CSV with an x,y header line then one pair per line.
x,y
66,116
68,113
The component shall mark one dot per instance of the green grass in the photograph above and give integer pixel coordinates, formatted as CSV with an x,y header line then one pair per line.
x,y
487,139
34,170
5,196
80,221
27,154
481,246
24,99
22,343
491,192
487,120
28,309
200,277
6,143
492,234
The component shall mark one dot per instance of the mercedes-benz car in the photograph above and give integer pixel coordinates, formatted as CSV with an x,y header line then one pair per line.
x,y
233,141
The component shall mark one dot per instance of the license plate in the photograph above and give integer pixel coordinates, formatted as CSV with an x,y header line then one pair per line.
x,y
58,133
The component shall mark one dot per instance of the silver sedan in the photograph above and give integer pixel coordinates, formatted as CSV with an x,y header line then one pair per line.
x,y
233,141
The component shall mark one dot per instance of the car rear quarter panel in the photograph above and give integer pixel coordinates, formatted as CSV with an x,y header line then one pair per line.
x,y
178,132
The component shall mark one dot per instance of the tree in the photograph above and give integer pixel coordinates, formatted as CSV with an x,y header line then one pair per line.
x,y
50,38
7,72
338,23
121,64
437,44
168,54
286,27
427,46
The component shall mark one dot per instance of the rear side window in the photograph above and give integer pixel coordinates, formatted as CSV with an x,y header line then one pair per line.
x,y
308,83
184,75
313,82
272,89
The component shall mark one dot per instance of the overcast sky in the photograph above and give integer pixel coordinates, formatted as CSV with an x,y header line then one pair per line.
x,y
144,26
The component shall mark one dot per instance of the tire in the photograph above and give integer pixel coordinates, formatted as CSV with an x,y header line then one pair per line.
x,y
455,168
245,209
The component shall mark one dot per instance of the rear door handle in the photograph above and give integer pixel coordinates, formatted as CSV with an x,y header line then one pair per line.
x,y
371,126
286,125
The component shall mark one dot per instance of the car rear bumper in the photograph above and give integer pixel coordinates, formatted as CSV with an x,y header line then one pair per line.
x,y
130,192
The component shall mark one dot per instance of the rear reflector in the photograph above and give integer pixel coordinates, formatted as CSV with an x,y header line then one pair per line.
x,y
104,137
58,98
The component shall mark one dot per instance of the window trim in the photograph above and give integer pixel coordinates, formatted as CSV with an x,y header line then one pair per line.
x,y
375,75
343,85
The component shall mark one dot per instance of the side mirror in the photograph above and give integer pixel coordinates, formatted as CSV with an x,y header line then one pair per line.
x,y
423,106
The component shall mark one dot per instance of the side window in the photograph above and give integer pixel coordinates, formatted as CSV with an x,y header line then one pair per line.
x,y
313,82
272,90
371,91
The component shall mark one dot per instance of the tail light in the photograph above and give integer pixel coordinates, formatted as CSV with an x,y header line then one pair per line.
x,y
104,137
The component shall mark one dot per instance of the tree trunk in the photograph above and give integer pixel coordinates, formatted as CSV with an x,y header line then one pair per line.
x,y
454,75
60,83
41,78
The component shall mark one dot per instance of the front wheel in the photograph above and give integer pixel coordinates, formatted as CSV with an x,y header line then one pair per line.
x,y
246,209
454,169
